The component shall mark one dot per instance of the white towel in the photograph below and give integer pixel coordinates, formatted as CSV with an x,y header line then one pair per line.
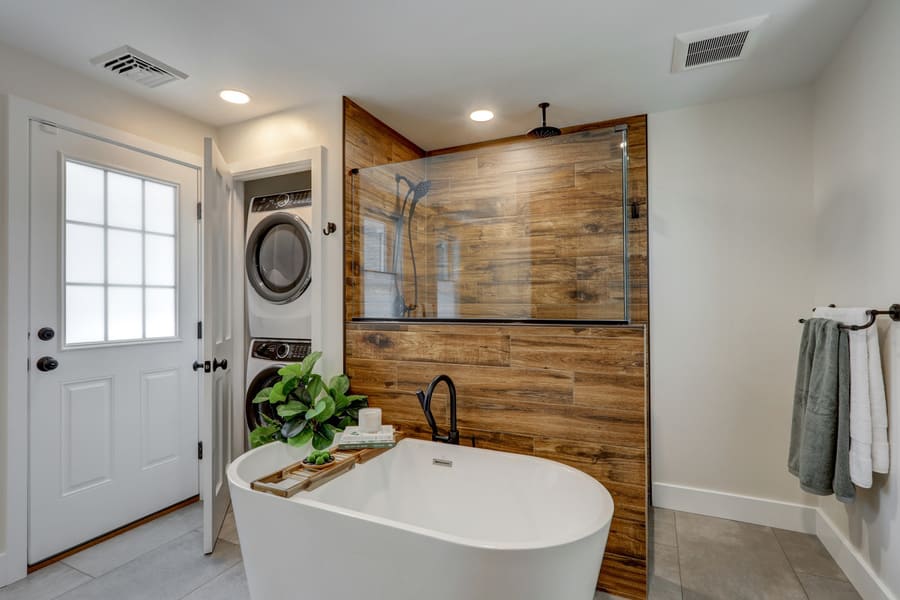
x,y
860,402
881,453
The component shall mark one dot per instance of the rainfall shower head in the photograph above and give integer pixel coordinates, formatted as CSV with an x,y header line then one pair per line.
x,y
544,131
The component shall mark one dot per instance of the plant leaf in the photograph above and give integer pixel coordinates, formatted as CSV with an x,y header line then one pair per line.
x,y
329,410
277,394
302,438
289,384
315,411
293,428
339,384
358,399
291,409
308,363
293,369
263,435
262,396
341,402
314,386
320,442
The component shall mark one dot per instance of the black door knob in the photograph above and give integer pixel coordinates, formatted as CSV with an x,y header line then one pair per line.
x,y
220,364
201,365
47,363
46,334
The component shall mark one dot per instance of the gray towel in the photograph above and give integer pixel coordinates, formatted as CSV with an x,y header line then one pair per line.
x,y
820,429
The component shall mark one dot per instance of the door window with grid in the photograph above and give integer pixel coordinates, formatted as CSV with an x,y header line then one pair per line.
x,y
119,256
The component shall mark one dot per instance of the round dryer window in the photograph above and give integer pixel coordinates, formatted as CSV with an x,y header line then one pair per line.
x,y
279,258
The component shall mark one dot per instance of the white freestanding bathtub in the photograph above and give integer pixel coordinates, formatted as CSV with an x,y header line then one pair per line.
x,y
408,526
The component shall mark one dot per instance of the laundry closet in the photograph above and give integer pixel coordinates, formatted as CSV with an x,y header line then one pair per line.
x,y
279,286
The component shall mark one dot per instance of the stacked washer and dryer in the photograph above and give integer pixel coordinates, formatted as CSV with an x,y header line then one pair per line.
x,y
279,290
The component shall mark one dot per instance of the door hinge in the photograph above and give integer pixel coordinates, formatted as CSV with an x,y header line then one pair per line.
x,y
199,211
199,450
199,330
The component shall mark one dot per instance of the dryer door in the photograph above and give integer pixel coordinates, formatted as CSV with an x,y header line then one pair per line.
x,y
278,260
265,378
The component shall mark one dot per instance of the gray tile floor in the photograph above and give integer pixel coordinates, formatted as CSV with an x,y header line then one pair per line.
x,y
692,558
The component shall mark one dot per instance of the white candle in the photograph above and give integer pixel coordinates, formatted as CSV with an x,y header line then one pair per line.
x,y
370,420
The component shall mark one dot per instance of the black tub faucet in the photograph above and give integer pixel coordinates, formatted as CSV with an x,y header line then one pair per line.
x,y
425,400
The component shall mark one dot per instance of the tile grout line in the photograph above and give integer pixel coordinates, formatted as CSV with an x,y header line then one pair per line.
x,y
790,563
678,554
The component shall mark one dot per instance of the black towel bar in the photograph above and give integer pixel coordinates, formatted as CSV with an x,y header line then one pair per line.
x,y
893,312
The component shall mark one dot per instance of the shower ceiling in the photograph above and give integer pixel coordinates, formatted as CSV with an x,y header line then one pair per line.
x,y
424,66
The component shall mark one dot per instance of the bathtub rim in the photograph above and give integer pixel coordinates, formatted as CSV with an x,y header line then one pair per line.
x,y
596,526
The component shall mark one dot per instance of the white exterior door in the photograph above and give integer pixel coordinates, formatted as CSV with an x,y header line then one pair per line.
x,y
113,402
218,339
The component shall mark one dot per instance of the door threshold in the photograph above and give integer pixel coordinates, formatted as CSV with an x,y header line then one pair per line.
x,y
111,534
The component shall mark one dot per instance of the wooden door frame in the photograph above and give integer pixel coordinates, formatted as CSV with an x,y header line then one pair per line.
x,y
14,304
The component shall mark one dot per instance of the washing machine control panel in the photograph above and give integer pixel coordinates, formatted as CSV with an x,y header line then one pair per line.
x,y
281,350
281,201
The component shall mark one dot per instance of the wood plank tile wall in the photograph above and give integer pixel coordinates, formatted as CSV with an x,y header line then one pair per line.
x,y
571,393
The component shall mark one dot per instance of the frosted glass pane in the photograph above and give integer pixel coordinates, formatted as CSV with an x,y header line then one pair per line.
x,y
160,312
123,201
160,266
159,207
84,254
84,193
125,315
84,314
125,257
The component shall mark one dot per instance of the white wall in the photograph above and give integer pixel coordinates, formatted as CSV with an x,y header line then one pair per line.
x,y
857,212
297,129
731,243
36,79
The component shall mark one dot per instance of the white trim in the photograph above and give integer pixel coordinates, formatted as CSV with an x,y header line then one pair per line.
x,y
14,394
737,507
855,567
784,515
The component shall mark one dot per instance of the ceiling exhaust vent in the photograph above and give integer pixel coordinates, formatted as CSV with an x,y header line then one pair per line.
x,y
138,67
715,45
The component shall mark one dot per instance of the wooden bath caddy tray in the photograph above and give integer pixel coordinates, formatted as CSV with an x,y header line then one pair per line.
x,y
300,476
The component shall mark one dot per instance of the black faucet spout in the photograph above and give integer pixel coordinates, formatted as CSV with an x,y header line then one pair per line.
x,y
452,436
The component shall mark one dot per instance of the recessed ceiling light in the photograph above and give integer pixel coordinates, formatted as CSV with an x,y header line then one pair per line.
x,y
234,96
481,115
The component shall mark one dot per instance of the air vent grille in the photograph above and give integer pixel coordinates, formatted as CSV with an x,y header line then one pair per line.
x,y
138,67
720,44
723,47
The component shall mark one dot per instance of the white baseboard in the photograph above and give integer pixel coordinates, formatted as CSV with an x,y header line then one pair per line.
x,y
749,509
784,515
857,569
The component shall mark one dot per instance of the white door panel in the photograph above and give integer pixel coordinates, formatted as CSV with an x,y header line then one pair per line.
x,y
114,273
218,348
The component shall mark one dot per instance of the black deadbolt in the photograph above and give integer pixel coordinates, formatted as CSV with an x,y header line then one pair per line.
x,y
46,334
47,363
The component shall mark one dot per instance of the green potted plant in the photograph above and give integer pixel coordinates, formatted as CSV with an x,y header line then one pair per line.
x,y
308,408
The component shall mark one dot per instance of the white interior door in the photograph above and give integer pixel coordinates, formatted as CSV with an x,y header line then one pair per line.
x,y
218,339
114,296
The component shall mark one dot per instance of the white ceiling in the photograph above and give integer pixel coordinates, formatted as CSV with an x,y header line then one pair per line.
x,y
423,65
